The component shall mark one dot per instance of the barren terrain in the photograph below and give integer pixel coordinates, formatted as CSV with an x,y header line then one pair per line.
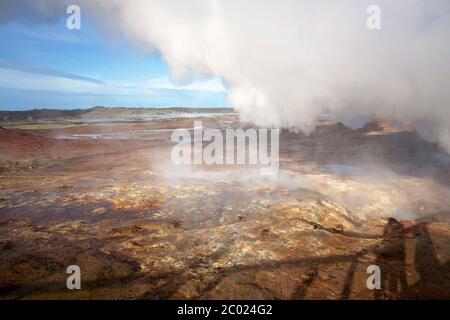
x,y
104,195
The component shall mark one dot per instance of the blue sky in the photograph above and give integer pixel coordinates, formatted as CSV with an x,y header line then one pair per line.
x,y
49,66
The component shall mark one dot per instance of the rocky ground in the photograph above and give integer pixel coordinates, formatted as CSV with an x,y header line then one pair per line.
x,y
141,228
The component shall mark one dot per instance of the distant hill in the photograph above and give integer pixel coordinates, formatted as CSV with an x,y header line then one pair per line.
x,y
98,112
40,114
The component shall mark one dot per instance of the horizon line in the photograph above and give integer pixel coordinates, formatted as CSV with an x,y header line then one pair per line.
x,y
113,107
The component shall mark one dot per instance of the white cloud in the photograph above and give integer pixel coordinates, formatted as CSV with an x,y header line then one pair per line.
x,y
16,79
206,85
20,79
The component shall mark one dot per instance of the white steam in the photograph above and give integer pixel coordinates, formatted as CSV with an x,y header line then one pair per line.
x,y
288,62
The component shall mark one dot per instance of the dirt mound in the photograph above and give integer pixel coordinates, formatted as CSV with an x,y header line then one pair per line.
x,y
13,143
325,215
379,127
11,140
